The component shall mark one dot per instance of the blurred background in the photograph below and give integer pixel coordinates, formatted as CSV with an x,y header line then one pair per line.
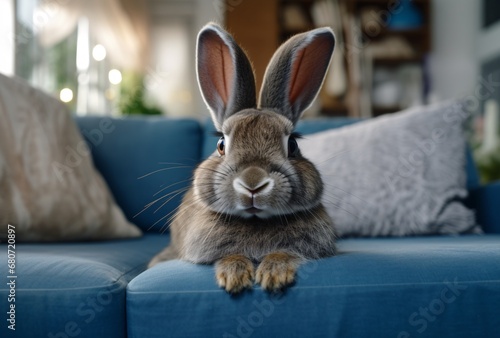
x,y
121,57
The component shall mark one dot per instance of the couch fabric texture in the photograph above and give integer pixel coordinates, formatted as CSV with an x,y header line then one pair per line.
x,y
376,287
396,175
425,286
147,163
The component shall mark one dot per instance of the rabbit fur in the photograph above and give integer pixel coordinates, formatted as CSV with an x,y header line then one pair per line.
x,y
255,201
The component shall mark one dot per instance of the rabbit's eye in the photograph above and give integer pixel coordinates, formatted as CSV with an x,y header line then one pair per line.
x,y
293,147
221,146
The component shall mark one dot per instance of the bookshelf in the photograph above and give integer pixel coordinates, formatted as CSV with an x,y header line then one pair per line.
x,y
371,47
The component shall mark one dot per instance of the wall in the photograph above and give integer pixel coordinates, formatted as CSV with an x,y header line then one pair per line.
x,y
256,31
206,11
461,47
454,67
488,43
172,82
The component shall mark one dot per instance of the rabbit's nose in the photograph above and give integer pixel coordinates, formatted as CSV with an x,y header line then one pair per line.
x,y
252,181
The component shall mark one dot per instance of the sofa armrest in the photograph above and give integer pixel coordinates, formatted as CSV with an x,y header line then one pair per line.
x,y
486,201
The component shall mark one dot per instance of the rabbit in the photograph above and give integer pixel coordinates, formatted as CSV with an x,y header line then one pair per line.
x,y
255,200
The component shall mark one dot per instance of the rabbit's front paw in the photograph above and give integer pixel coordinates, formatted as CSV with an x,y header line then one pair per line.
x,y
234,273
276,271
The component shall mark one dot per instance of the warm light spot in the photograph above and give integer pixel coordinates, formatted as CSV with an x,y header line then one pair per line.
x,y
66,95
99,52
184,96
115,76
110,94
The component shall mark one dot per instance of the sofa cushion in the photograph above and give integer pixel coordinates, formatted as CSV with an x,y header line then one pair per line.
x,y
78,289
378,287
145,160
49,188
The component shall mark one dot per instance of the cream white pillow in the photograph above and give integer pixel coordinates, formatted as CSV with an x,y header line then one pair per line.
x,y
50,190
396,175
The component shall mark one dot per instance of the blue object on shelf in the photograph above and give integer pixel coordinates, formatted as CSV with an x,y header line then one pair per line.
x,y
407,16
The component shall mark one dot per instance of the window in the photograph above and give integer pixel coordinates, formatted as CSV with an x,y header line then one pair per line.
x,y
56,52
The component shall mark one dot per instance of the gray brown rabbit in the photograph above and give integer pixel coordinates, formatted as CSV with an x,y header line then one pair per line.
x,y
256,200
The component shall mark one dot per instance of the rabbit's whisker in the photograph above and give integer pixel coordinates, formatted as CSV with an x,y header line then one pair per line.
x,y
180,164
340,153
163,169
171,198
171,185
172,214
147,206
349,193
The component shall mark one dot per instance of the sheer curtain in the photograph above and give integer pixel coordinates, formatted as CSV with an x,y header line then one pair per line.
x,y
56,51
119,25
154,38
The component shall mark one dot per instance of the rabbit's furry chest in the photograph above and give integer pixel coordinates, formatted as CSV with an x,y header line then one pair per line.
x,y
202,236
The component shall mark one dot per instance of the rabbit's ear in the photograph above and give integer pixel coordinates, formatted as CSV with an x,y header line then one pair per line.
x,y
225,75
296,72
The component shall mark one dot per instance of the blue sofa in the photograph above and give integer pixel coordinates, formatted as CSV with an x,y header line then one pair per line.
x,y
436,286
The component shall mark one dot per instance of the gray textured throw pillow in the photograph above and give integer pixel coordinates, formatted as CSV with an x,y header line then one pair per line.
x,y
49,188
396,175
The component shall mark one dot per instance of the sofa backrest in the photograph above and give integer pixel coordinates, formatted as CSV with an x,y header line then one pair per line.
x,y
142,159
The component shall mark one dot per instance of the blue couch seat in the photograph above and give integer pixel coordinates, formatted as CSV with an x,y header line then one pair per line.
x,y
74,289
377,287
